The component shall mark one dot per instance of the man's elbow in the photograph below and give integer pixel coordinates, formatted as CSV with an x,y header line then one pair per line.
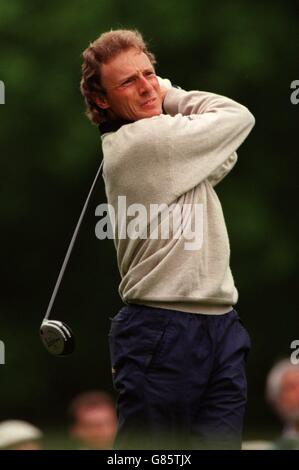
x,y
248,118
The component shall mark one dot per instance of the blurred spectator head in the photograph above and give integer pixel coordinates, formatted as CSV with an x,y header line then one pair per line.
x,y
282,390
19,435
93,419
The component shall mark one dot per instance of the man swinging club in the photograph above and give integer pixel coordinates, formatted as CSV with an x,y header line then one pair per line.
x,y
178,347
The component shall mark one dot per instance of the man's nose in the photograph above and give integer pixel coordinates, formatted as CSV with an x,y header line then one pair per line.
x,y
143,84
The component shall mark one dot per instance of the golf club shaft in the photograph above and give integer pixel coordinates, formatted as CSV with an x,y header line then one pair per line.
x,y
70,248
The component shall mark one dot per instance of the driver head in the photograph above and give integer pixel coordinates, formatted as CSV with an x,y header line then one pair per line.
x,y
57,337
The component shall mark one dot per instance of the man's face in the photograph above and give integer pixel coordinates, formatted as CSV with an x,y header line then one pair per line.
x,y
289,395
131,86
95,426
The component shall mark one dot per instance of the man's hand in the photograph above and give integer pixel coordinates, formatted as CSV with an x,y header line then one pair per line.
x,y
163,92
165,85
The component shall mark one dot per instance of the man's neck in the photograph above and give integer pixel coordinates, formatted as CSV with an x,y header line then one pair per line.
x,y
112,125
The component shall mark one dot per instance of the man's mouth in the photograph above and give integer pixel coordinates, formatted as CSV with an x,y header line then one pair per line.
x,y
149,102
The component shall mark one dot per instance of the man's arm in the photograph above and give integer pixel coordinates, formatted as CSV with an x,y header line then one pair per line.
x,y
216,176
224,168
203,135
165,156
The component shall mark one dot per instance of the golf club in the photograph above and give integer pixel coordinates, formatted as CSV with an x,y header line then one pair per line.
x,y
56,336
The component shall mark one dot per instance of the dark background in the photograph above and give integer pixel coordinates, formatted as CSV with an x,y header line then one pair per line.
x,y
50,154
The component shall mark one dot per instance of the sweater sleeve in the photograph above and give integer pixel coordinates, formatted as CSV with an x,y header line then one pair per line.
x,y
200,134
216,176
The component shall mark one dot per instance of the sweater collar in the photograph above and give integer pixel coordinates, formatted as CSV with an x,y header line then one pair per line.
x,y
112,126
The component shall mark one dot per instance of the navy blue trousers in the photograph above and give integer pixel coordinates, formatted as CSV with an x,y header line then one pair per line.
x,y
180,378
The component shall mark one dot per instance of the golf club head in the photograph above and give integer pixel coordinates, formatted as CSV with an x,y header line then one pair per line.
x,y
57,337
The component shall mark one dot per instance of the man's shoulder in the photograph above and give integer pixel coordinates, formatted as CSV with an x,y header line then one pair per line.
x,y
141,131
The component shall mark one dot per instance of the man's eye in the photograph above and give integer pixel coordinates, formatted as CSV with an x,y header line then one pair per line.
x,y
149,74
127,82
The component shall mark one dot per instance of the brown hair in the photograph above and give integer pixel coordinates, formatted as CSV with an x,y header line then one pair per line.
x,y
107,46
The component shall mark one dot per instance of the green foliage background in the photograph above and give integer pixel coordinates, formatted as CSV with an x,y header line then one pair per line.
x,y
50,153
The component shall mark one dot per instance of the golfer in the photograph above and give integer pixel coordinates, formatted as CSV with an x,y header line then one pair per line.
x,y
178,347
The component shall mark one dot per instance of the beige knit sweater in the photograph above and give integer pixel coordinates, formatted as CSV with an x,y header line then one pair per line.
x,y
176,158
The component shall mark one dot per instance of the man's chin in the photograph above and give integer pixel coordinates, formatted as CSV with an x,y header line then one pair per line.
x,y
150,114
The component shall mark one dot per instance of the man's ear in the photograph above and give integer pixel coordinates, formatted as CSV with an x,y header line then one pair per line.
x,y
102,102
